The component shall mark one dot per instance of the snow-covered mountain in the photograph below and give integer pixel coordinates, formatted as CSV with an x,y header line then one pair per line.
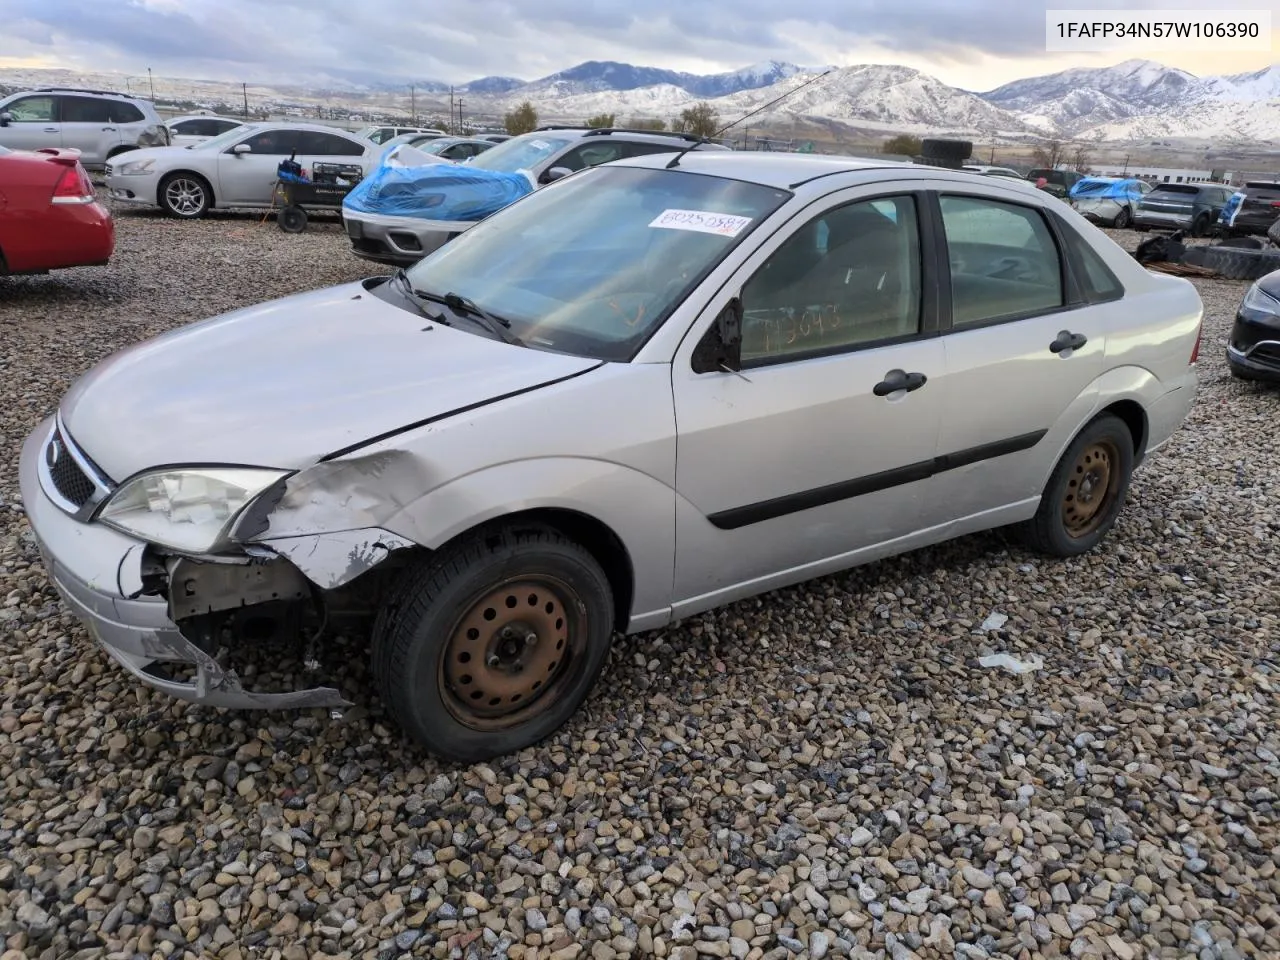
x,y
881,97
1137,83
599,76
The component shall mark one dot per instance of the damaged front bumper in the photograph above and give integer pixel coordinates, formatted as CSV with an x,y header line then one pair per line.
x,y
98,573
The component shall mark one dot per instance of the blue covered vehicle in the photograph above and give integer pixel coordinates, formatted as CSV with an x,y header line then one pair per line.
x,y
1108,201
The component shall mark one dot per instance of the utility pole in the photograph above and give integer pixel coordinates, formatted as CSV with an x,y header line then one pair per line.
x,y
993,154
244,89
459,115
1126,166
153,85
451,105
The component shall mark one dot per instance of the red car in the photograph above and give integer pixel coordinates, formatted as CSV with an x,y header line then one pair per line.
x,y
50,217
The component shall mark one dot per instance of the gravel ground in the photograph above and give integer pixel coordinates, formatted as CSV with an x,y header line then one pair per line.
x,y
825,771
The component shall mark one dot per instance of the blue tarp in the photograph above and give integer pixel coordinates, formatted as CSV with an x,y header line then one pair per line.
x,y
1092,188
1228,215
435,191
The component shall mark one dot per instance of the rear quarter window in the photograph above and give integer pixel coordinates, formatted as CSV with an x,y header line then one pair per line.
x,y
122,112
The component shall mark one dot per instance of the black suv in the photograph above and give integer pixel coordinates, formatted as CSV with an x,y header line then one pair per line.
x,y
1259,208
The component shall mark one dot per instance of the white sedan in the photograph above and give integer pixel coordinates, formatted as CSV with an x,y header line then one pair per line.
x,y
235,169
197,128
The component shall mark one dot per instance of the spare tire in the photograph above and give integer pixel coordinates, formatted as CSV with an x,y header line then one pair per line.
x,y
955,150
1235,263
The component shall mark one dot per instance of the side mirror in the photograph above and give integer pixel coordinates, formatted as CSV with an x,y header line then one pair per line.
x,y
240,149
6,118
721,347
555,173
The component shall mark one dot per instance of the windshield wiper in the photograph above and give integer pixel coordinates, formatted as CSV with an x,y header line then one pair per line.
x,y
416,297
498,326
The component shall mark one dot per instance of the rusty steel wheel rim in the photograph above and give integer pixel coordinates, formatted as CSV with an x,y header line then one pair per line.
x,y
511,651
1091,488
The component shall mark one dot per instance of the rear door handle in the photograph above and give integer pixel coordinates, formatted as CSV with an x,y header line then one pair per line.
x,y
50,129
1068,341
108,129
898,380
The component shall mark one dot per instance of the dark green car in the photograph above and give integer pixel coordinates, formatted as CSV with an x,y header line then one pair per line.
x,y
1193,207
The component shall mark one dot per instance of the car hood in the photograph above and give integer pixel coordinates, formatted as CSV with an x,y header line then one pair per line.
x,y
284,383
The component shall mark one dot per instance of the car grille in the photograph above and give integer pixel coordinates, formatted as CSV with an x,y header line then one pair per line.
x,y
71,482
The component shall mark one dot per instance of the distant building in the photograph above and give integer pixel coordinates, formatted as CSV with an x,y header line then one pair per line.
x,y
1162,174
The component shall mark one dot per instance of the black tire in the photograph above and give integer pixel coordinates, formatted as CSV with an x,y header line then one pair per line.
x,y
292,219
1062,527
956,150
1241,243
1200,225
1240,373
186,196
1123,219
1273,232
428,648
1235,263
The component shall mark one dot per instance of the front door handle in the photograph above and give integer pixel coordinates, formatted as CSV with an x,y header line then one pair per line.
x,y
50,129
897,380
1068,341
108,129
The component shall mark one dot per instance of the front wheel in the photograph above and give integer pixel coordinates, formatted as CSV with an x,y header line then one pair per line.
x,y
1123,218
493,644
1086,492
185,196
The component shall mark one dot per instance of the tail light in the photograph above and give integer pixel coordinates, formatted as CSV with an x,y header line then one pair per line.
x,y
1195,351
73,186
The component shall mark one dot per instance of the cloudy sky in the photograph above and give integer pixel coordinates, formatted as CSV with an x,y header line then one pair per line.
x,y
976,44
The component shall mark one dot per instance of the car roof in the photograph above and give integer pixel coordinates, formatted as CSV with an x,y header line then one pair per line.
x,y
262,125
788,171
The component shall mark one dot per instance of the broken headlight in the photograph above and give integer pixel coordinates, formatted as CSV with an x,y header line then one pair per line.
x,y
186,509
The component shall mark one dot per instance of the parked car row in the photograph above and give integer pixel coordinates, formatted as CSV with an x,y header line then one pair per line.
x,y
546,155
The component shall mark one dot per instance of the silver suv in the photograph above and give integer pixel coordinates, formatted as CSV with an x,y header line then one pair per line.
x,y
547,154
98,123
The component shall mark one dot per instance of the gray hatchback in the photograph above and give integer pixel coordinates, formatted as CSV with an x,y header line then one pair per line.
x,y
650,389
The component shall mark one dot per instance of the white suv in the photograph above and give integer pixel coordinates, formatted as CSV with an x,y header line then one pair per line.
x,y
98,123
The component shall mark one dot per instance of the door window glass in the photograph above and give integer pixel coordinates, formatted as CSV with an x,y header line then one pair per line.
x,y
32,110
1004,262
847,278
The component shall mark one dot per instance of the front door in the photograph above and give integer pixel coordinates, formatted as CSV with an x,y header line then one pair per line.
x,y
33,123
824,445
1022,353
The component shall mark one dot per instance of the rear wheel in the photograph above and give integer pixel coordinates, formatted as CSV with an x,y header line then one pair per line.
x,y
1086,492
185,196
1200,226
492,644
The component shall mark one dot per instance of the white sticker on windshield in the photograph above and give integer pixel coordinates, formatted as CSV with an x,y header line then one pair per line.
x,y
703,221
540,144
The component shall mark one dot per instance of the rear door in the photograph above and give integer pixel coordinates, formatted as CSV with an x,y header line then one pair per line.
x,y
34,122
89,125
1023,347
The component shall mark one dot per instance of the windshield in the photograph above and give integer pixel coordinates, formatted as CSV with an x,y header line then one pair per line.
x,y
230,136
519,153
594,264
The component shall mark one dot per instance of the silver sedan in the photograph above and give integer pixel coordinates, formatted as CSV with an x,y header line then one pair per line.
x,y
656,387
234,169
